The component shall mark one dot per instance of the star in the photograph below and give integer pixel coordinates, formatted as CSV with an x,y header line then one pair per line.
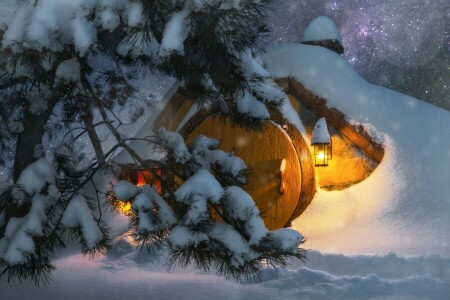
x,y
403,45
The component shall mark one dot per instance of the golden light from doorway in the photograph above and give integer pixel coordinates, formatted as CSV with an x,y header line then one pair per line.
x,y
152,175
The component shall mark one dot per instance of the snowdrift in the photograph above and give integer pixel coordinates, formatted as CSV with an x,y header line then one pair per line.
x,y
326,277
404,206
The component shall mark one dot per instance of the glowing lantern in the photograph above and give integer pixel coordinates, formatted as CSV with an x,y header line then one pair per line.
x,y
124,206
321,141
145,175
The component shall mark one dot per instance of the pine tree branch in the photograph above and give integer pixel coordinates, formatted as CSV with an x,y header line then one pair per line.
x,y
14,82
98,104
90,128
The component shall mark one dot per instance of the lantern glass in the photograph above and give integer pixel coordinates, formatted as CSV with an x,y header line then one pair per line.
x,y
322,153
142,176
146,177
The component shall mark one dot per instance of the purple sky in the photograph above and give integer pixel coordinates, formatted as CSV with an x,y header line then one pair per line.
x,y
404,45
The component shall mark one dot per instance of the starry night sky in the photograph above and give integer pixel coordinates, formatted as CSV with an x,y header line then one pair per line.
x,y
403,45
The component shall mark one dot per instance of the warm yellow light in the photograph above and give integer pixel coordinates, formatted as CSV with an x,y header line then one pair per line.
x,y
321,155
124,207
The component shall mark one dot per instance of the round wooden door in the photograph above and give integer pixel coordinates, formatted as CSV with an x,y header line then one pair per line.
x,y
275,183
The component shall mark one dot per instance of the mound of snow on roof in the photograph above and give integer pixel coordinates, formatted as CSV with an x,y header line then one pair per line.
x,y
404,206
320,29
320,134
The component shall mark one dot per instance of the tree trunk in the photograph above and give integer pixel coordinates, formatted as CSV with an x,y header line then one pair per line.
x,y
34,130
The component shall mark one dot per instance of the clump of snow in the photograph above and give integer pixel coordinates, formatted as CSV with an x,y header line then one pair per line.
x,y
230,4
84,34
182,237
320,134
175,142
249,105
175,33
125,190
49,23
134,14
228,163
320,29
251,67
47,61
262,89
37,184
286,239
268,91
166,216
68,71
146,201
234,242
78,215
7,10
196,192
239,205
108,18
36,176
16,29
144,204
196,184
203,144
206,148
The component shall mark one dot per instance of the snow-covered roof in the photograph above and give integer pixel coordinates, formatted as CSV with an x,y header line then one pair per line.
x,y
406,199
320,134
320,29
143,148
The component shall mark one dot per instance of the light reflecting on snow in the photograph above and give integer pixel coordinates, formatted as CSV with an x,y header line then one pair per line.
x,y
404,205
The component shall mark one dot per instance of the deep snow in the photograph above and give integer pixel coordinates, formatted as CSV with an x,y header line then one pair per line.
x,y
327,277
404,206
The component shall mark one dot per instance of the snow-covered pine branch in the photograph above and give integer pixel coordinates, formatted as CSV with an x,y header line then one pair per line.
x,y
78,216
36,187
37,216
52,83
208,223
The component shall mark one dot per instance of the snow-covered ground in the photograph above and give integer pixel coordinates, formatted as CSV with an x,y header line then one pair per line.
x,y
325,277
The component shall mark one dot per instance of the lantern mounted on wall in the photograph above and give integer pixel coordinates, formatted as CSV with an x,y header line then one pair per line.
x,y
321,141
142,175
